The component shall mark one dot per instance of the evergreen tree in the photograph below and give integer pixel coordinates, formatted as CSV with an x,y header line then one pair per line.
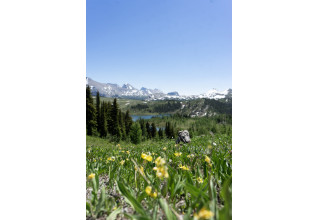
x,y
160,133
127,121
122,125
169,130
153,130
90,112
172,135
166,130
108,116
114,126
143,129
135,133
98,115
148,129
103,120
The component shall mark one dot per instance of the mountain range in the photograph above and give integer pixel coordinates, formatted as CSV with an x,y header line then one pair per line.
x,y
128,91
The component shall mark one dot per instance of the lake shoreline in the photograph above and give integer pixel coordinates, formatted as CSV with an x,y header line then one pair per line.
x,y
145,116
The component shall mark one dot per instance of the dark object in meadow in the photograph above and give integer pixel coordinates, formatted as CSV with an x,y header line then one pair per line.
x,y
183,136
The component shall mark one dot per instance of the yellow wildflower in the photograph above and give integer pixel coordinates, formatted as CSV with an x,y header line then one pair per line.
x,y
203,214
128,152
122,162
200,180
159,175
177,154
164,148
162,170
149,158
148,190
91,176
160,161
154,195
207,159
150,193
111,158
146,157
183,167
191,155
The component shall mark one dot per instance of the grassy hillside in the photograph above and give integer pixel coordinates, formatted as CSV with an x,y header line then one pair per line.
x,y
160,180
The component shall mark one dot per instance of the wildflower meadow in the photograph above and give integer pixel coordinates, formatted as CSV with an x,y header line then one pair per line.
x,y
159,179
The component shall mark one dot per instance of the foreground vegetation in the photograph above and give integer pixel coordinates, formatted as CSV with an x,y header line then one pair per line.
x,y
159,180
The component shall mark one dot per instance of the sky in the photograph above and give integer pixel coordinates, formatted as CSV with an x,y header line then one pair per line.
x,y
172,45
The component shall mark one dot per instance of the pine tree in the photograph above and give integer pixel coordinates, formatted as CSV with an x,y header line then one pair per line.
x,y
114,126
108,117
127,121
122,125
90,112
153,130
148,129
135,133
172,135
103,120
98,116
160,133
143,128
167,130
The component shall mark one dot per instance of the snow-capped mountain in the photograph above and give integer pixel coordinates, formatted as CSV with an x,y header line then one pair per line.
x,y
215,94
128,91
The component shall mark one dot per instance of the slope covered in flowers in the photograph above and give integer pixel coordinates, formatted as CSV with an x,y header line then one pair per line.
x,y
159,179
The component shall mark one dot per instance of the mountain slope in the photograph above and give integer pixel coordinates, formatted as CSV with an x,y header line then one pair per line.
x,y
128,91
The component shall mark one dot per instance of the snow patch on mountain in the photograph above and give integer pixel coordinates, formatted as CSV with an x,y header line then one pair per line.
x,y
128,91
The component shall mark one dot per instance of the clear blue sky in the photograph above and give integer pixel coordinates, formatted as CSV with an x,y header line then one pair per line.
x,y
172,45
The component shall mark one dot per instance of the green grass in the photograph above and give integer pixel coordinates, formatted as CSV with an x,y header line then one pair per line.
x,y
119,187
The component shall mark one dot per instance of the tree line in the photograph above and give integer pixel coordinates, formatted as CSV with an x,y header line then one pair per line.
x,y
168,106
105,119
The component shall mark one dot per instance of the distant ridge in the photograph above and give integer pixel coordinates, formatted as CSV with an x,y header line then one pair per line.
x,y
128,91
